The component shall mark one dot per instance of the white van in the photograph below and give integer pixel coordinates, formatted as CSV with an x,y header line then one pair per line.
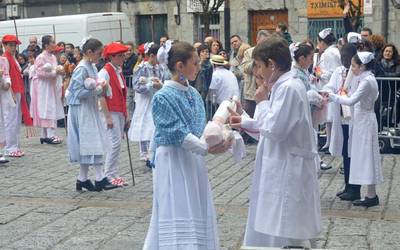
x,y
106,27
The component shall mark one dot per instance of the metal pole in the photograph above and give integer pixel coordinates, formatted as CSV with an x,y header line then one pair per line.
x,y
16,31
130,158
227,23
385,18
120,30
54,32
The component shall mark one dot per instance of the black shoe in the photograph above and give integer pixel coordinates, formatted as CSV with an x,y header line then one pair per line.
x,y
85,184
367,202
104,185
349,196
52,140
340,192
323,166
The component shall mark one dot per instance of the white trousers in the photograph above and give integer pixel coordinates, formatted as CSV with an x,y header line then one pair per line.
x,y
115,137
12,125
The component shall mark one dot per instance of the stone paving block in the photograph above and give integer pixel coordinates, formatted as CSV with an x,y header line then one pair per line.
x,y
349,242
51,212
36,242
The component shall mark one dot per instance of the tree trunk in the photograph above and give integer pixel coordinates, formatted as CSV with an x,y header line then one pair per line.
x,y
206,22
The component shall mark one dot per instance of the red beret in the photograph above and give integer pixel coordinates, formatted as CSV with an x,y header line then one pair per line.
x,y
141,49
114,49
58,49
9,39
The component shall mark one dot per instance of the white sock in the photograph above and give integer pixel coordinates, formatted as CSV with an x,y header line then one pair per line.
x,y
44,133
83,172
371,191
51,132
99,172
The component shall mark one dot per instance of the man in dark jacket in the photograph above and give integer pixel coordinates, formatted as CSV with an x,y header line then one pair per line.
x,y
283,31
127,70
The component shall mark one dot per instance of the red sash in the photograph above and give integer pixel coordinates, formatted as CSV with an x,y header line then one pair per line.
x,y
117,103
17,86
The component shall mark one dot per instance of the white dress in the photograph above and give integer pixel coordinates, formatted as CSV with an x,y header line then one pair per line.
x,y
142,125
284,203
365,163
330,60
183,215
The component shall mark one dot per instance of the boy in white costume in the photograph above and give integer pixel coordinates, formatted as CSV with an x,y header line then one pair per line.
x,y
284,203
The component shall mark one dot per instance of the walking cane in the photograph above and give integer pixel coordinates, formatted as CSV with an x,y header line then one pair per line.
x,y
130,157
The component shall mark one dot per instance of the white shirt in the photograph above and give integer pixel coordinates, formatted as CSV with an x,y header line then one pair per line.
x,y
162,55
104,74
225,85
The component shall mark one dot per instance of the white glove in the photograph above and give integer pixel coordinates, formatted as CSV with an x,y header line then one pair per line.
x,y
90,83
47,67
195,145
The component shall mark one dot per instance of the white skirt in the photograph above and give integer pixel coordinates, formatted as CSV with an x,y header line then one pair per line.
x,y
142,125
183,215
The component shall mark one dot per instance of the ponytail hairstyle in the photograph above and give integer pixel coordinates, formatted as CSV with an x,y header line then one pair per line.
x,y
303,49
91,44
179,52
46,40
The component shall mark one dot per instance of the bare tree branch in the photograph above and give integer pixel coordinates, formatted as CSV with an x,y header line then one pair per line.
x,y
216,4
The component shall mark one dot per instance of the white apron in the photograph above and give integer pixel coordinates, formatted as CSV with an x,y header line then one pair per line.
x,y
142,126
183,215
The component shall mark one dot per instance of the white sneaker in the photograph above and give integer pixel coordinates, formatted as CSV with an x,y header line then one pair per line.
x,y
3,160
143,157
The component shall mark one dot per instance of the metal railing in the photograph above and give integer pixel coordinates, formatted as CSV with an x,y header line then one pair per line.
x,y
387,109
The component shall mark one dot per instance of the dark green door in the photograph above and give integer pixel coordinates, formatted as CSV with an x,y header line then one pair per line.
x,y
151,28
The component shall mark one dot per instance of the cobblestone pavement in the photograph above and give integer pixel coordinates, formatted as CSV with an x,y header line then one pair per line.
x,y
40,209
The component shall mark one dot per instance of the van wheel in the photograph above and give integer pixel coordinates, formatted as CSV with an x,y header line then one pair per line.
x,y
384,145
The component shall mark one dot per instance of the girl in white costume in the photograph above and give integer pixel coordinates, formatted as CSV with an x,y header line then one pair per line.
x,y
329,61
147,79
183,215
365,166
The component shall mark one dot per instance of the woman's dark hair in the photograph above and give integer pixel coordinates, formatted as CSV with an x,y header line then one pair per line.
x,y
303,49
309,43
368,66
180,52
202,47
282,26
222,50
91,44
46,40
395,56
346,53
60,43
329,39
365,45
153,49
23,56
275,48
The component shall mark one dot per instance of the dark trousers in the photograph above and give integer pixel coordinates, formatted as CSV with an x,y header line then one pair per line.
x,y
249,106
346,162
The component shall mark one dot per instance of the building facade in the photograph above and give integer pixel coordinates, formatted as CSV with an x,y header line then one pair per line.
x,y
151,19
